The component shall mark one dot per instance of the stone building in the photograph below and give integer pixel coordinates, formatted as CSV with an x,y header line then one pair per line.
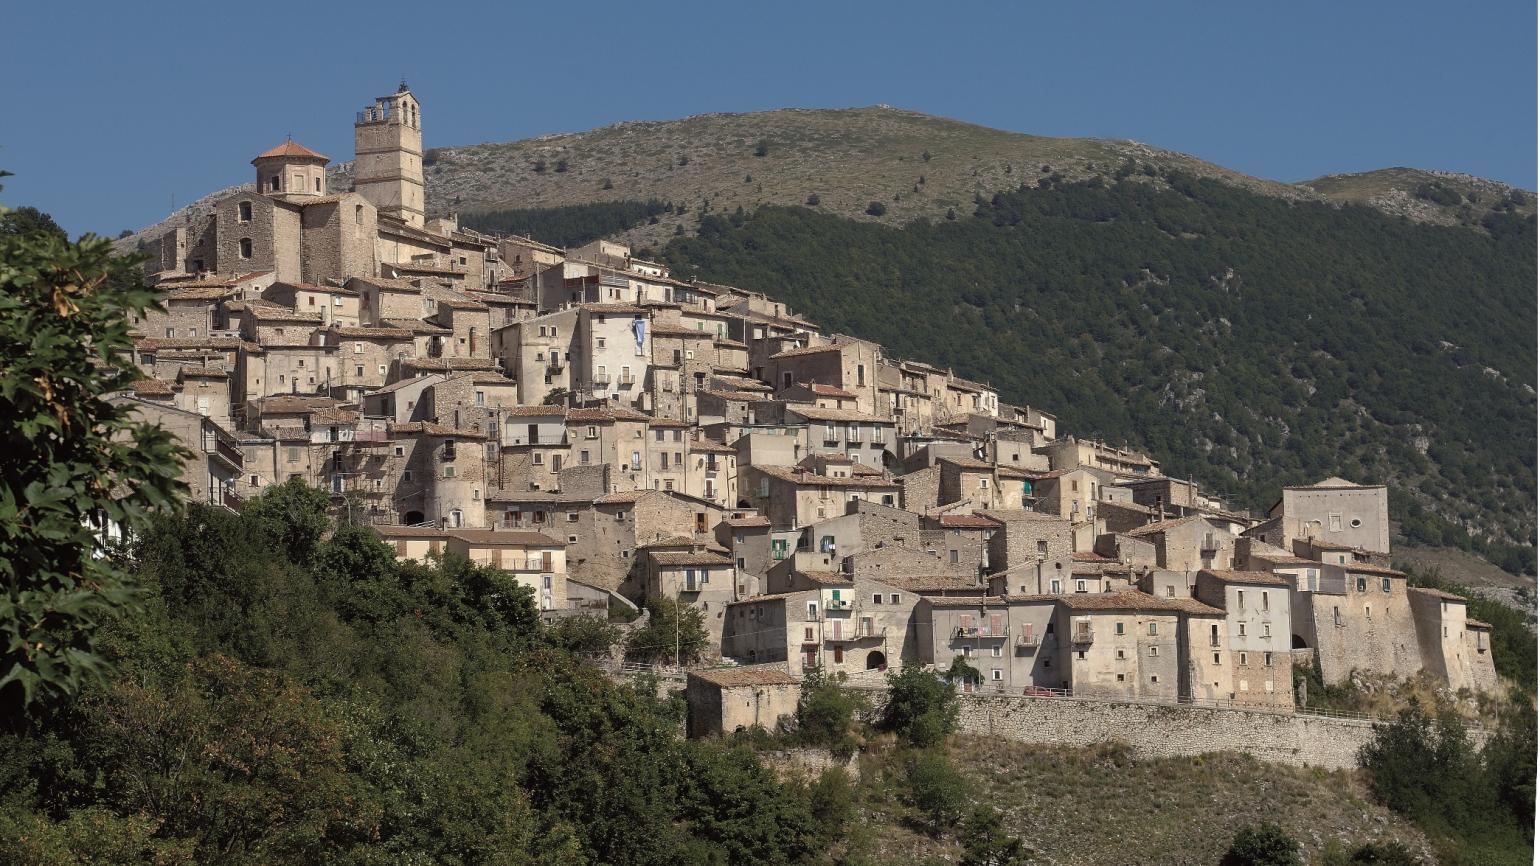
x,y
726,701
1335,511
1257,617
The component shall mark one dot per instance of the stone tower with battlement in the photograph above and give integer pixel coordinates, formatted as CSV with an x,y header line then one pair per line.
x,y
387,146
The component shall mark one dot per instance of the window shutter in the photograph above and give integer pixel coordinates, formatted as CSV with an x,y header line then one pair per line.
x,y
994,624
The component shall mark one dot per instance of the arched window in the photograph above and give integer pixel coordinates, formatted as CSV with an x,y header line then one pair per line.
x,y
245,248
245,211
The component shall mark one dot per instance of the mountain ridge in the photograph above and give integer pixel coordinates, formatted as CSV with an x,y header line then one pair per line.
x,y
917,165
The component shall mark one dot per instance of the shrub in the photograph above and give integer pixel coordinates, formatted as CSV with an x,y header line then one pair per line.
x,y
674,633
812,200
561,165
936,789
1263,845
762,148
826,713
607,184
985,842
876,208
539,166
921,709
1385,854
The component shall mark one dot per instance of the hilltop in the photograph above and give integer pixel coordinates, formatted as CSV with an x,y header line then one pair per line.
x,y
917,166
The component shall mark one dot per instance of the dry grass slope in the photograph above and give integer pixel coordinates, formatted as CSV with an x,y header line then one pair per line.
x,y
1095,807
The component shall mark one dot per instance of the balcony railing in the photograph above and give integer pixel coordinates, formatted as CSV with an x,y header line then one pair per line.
x,y
1082,636
230,500
840,604
1028,640
601,378
627,379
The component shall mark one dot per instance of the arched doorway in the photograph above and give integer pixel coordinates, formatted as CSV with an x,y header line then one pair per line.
x,y
876,661
1298,642
411,518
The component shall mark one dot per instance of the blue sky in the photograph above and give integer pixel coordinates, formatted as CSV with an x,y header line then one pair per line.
x,y
113,111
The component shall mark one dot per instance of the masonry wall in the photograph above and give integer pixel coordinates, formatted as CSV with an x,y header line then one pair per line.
x,y
1156,731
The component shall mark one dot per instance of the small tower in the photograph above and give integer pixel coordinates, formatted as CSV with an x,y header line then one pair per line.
x,y
291,169
387,166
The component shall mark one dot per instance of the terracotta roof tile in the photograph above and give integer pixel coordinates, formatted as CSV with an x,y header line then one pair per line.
x,y
291,149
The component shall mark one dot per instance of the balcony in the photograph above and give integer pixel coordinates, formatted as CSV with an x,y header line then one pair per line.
x,y
840,604
1082,636
219,444
600,379
1028,640
627,380
556,365
230,500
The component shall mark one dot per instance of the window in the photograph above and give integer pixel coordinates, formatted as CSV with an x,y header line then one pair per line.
x,y
1080,587
537,458
893,599
1054,587
583,457
954,555
1243,658
449,472
1242,627
1267,629
359,370
245,248
1216,658
994,651
1042,549
1120,676
245,212
1117,628
1362,583
1335,521
592,432
1154,678
839,655
1154,651
1080,655
599,342
1267,659
1121,655
996,674
1153,629
1385,584
983,483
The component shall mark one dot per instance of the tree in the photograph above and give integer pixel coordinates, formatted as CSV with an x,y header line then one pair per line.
x,y
561,166
921,708
28,221
674,633
539,166
936,789
876,208
985,842
74,463
556,397
293,514
762,148
1263,845
826,713
963,673
583,635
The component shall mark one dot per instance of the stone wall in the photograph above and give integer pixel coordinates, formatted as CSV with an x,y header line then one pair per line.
x,y
1155,730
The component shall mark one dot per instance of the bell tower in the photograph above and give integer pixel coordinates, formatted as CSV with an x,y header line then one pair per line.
x,y
387,148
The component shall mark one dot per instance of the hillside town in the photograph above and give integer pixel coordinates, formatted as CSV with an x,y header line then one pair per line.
x,y
607,433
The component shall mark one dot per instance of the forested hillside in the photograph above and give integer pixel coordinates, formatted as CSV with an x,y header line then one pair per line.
x,y
1247,341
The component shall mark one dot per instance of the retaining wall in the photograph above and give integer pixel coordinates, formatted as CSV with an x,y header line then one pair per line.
x,y
1155,730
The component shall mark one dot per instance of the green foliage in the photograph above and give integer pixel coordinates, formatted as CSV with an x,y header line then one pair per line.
x,y
74,461
353,709
674,634
568,225
876,208
1247,341
1437,193
583,635
561,166
813,200
762,147
985,842
921,708
961,672
1513,640
1263,845
1477,807
293,516
1385,854
832,800
826,713
936,789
